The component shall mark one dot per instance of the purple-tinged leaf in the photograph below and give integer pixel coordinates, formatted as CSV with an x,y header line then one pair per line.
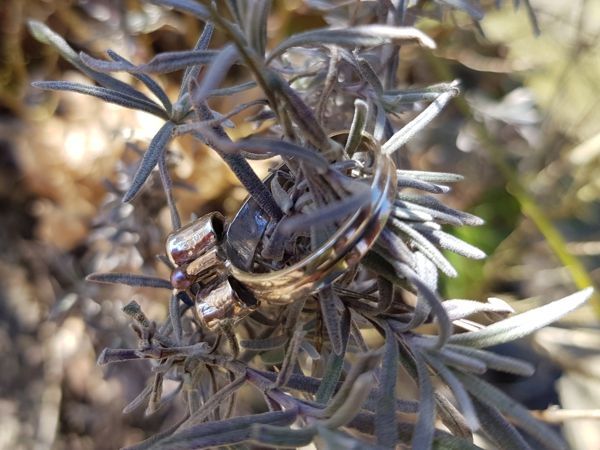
x,y
335,364
45,35
162,63
256,25
148,82
413,183
113,355
155,151
458,390
192,72
291,357
330,306
188,6
215,74
175,318
269,343
328,214
129,279
229,431
108,95
386,431
493,361
167,183
215,401
492,396
359,36
423,434
271,436
499,430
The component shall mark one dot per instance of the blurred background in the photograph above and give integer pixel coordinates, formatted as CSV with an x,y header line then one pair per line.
x,y
525,134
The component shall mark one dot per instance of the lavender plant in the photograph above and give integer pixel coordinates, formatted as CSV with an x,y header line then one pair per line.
x,y
327,366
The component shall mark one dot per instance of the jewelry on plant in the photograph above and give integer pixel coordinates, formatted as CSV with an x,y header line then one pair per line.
x,y
222,263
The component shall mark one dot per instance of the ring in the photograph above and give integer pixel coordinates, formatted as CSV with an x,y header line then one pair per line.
x,y
220,261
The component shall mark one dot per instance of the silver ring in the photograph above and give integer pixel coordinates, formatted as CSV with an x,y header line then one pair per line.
x,y
222,265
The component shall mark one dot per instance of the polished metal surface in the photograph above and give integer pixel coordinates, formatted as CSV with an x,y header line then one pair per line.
x,y
225,301
342,251
189,242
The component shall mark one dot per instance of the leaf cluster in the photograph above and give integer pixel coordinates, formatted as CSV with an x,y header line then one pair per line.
x,y
320,378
